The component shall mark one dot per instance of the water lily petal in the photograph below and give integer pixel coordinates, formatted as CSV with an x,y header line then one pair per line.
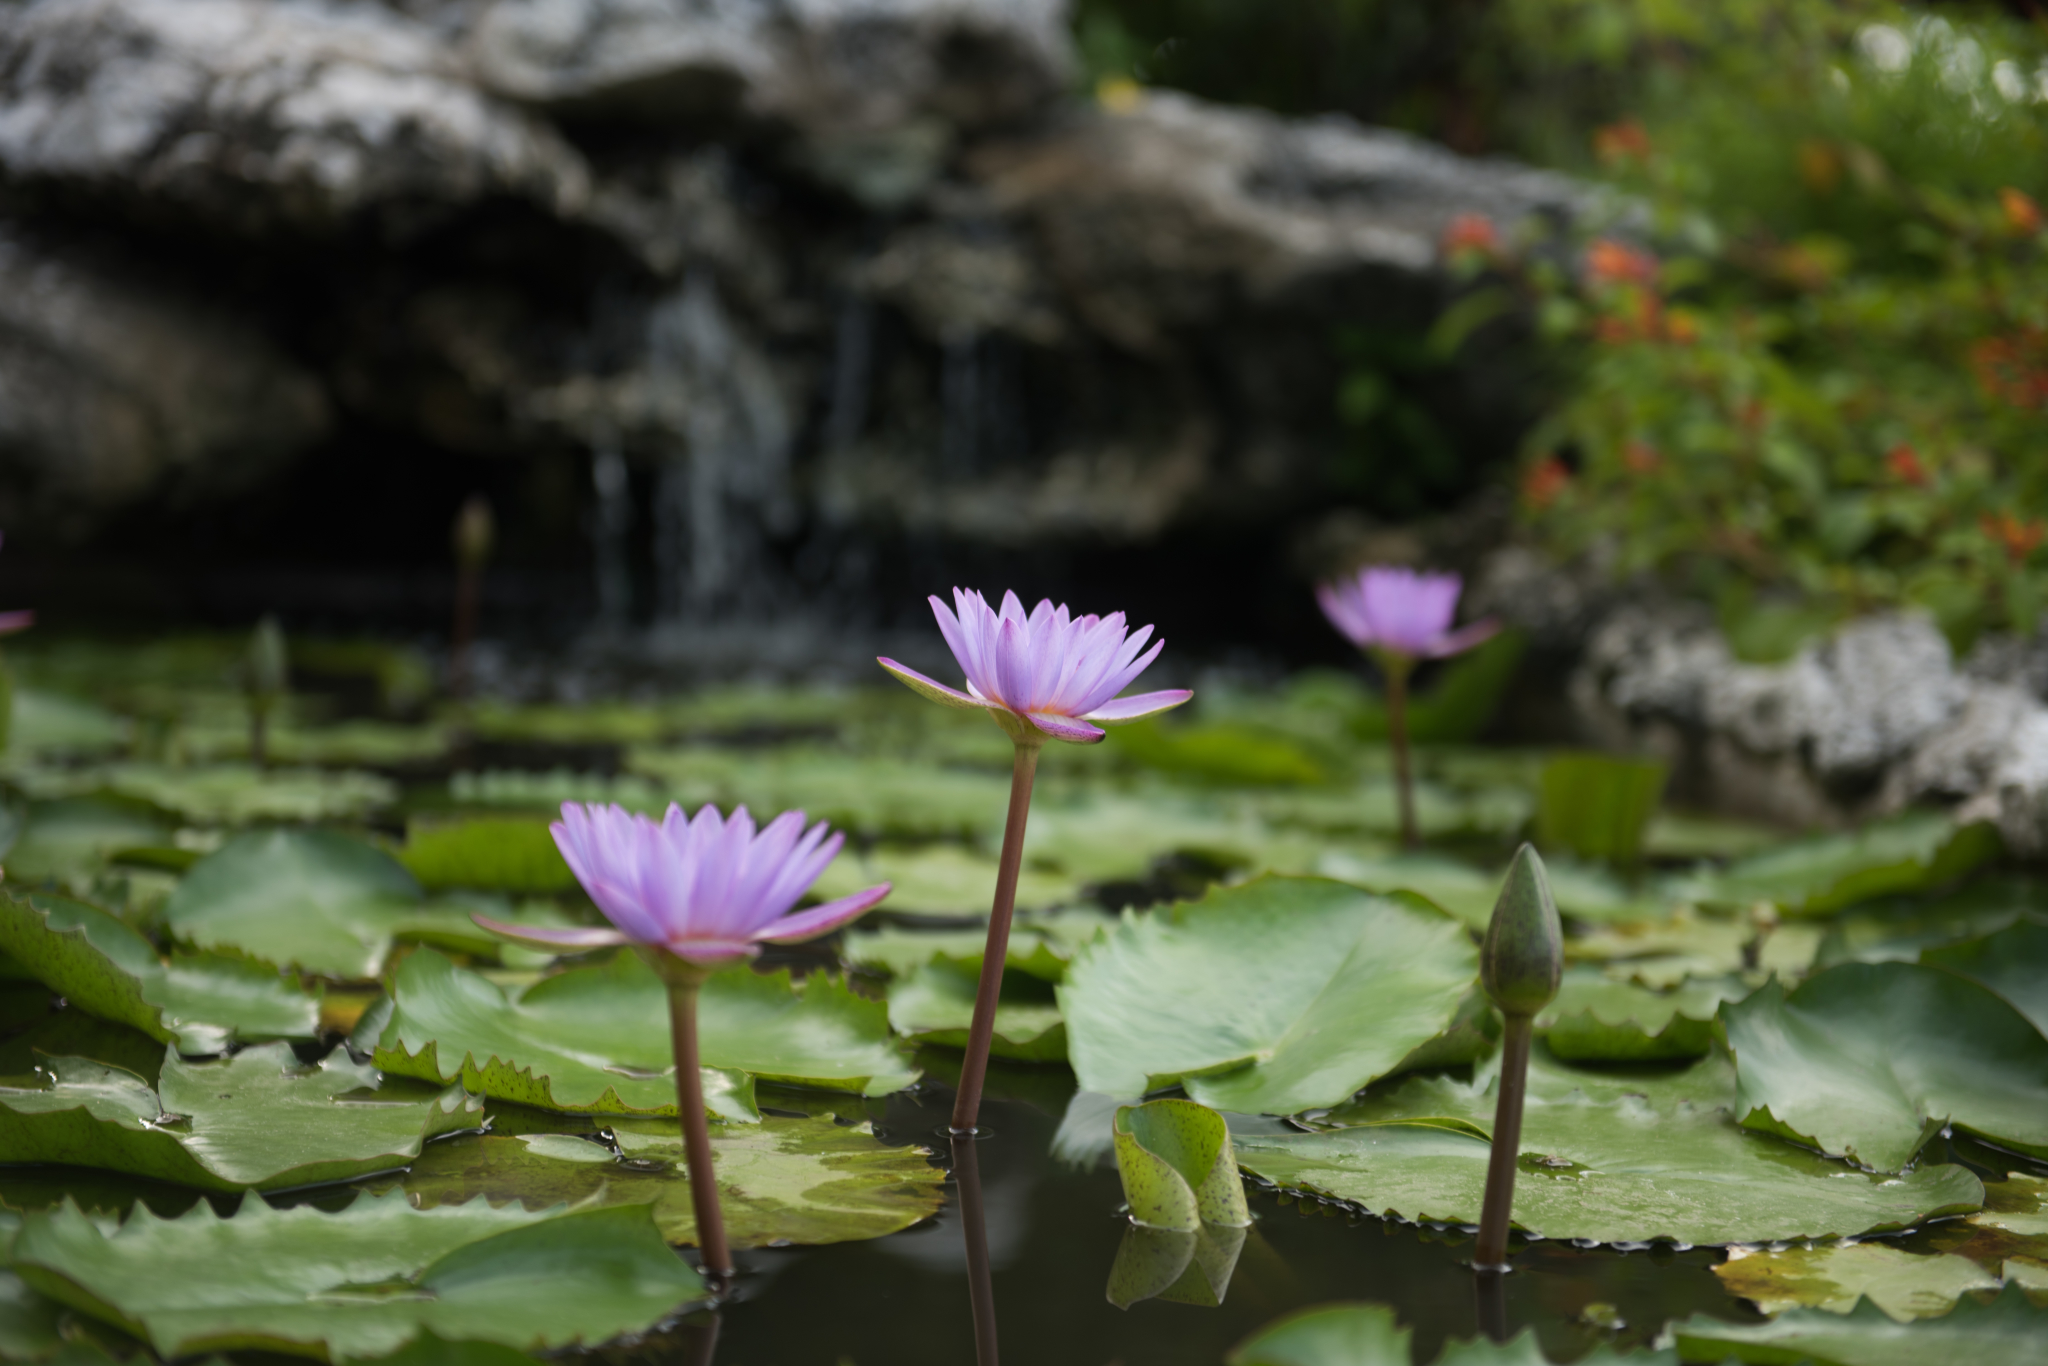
x,y
821,919
1137,707
1065,728
540,937
929,688
1463,639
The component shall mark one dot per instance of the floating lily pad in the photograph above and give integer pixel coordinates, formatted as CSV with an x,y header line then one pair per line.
x,y
1274,997
489,853
940,879
1119,837
64,838
1608,1155
1582,892
1905,1285
51,723
1177,1165
934,1004
205,1001
260,1118
313,899
1662,954
361,1282
865,795
2007,1332
780,1181
2012,962
225,794
1870,1059
1040,945
1824,873
1597,1019
597,1038
1366,1335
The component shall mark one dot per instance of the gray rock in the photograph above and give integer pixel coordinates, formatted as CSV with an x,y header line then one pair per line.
x,y
1963,758
1175,212
115,392
840,68
1891,684
2016,797
256,112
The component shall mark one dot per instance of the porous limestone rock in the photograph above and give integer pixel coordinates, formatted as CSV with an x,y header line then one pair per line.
x,y
252,113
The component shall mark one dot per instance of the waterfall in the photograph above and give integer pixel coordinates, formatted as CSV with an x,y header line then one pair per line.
x,y
960,404
853,358
611,529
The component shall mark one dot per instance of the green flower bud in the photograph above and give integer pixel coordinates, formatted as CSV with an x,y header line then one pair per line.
x,y
1523,956
266,674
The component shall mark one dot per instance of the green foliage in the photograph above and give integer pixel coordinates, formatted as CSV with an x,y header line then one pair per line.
x,y
1822,873
934,1004
1595,806
2012,962
2006,1332
1366,1335
1615,1156
1178,1168
1598,1019
1832,1276
361,1282
780,1180
1870,1060
491,853
1272,997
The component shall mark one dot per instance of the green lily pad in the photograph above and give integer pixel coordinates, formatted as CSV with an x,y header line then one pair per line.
x,y
1662,954
1272,997
1119,837
1597,1019
312,899
1689,835
940,879
1178,1168
361,1282
934,1004
205,1001
489,853
2006,1332
1582,892
259,1119
70,836
1040,945
781,1181
865,795
1366,1335
1868,1060
1608,1155
30,1322
2012,962
225,794
1824,873
1220,752
51,723
1905,1285
596,1038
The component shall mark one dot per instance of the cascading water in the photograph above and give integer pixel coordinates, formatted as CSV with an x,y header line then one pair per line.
x,y
611,528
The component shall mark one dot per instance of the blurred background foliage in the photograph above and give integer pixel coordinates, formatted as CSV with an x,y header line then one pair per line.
x,y
1801,369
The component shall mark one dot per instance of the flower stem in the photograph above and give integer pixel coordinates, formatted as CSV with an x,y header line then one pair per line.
x,y
682,1018
967,1105
1492,1252
1397,667
981,1294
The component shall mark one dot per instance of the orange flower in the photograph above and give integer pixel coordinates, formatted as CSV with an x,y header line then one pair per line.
x,y
1617,263
1624,141
1470,232
2022,214
2020,539
1544,481
1682,327
1905,466
1641,458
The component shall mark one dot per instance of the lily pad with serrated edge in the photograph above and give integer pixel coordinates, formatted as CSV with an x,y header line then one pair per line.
x,y
1366,1335
783,1180
1272,997
1870,1059
934,1004
260,1119
2006,1332
1834,1276
205,1001
1820,874
1177,1165
597,1038
360,1282
1612,1155
2012,962
1597,1019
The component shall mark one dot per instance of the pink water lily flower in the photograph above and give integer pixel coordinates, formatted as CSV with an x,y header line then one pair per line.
x,y
708,889
1381,607
1053,673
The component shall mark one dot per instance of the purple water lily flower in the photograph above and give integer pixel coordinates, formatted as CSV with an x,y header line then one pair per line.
x,y
708,890
1385,608
1057,675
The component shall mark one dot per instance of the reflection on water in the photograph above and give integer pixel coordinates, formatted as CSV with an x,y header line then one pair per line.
x,y
981,1295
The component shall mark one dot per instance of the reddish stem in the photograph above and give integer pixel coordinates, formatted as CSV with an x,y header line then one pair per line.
x,y
974,1070
682,1016
1396,667
1492,1252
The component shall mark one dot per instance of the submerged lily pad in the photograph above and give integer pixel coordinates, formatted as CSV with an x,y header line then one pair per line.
x,y
1366,1335
1597,1019
313,899
597,1038
1273,997
259,1119
361,1282
2007,1332
204,1001
1662,954
782,1180
1039,945
488,853
934,1004
1824,873
1870,1059
2012,962
1613,1156
1833,1276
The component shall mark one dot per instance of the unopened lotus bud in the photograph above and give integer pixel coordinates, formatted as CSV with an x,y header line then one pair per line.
x,y
1523,956
475,532
266,670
